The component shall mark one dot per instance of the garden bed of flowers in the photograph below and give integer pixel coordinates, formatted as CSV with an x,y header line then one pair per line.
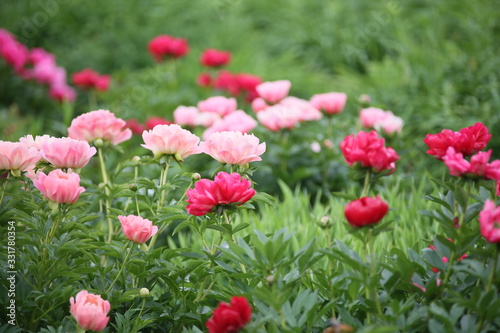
x,y
251,204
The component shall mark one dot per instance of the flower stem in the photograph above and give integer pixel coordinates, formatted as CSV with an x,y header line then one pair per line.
x,y
105,180
4,187
488,285
123,266
374,272
139,316
366,185
163,182
67,112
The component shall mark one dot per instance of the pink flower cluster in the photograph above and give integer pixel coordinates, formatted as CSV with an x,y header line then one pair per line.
x,y
236,84
489,222
369,151
165,47
90,79
381,120
453,148
90,311
225,190
36,64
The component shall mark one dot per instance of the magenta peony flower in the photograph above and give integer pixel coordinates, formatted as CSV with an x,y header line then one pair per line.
x,y
233,147
186,115
67,152
165,46
215,58
365,211
230,318
330,103
90,79
90,311
218,104
17,156
59,186
478,167
369,151
226,189
275,91
137,229
237,121
99,124
62,93
171,140
489,222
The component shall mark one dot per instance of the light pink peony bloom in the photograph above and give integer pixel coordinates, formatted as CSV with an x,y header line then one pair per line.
x,y
90,311
17,156
391,124
371,116
330,103
226,189
59,186
307,111
218,104
233,147
259,104
278,117
478,167
171,140
67,152
137,229
206,119
35,142
489,222
275,91
99,124
186,115
237,121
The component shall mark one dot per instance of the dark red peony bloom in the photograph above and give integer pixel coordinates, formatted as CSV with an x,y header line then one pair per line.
x,y
215,58
365,211
225,189
230,318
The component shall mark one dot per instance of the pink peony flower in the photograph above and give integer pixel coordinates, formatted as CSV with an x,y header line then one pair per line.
x,y
330,103
390,124
225,190
369,151
17,156
218,104
307,111
233,147
59,186
90,311
62,93
67,152
259,104
489,222
237,121
99,124
186,115
478,167
278,117
137,229
215,58
371,116
35,142
230,318
171,140
274,91
365,211
206,119
164,46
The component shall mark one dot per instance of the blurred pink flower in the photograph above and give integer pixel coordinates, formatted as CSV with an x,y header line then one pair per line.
x,y
186,115
215,58
59,186
67,152
90,79
204,80
371,116
137,229
90,311
274,91
218,104
259,104
14,53
206,119
135,126
330,103
278,117
152,122
171,140
35,142
489,222
369,151
307,111
233,147
225,190
237,121
62,92
99,124
391,124
17,156
478,167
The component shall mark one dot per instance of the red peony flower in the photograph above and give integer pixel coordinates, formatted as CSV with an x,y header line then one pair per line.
x,y
90,79
365,211
230,318
204,80
226,189
153,121
215,58
164,46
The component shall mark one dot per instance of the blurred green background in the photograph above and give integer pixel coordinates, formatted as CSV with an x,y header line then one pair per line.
x,y
433,63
